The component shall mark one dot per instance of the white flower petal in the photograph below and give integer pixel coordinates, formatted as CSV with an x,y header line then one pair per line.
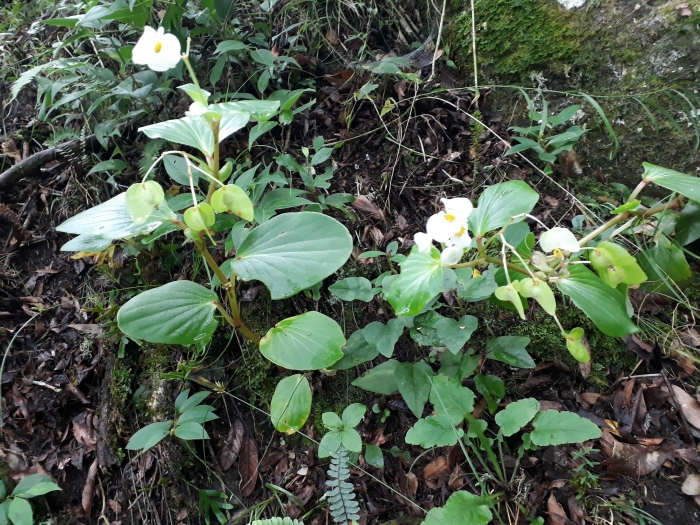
x,y
423,241
559,238
461,238
460,207
144,48
442,226
451,255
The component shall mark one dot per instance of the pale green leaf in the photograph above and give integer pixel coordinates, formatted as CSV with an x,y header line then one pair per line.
x,y
516,415
450,398
558,428
291,404
500,202
420,280
149,436
189,131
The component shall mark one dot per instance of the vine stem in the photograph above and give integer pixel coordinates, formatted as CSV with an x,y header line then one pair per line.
x,y
488,259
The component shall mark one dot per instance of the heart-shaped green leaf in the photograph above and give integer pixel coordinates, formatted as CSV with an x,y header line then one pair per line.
x,y
500,202
293,251
455,334
379,379
450,398
383,336
291,404
355,352
604,305
181,312
352,288
309,341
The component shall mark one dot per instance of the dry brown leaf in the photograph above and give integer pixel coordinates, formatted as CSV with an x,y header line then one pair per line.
x,y
363,203
248,466
688,405
590,397
557,516
690,337
435,467
411,484
89,489
635,344
332,37
231,446
634,460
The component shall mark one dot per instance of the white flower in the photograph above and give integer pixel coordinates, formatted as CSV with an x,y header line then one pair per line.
x,y
446,224
157,50
451,255
423,241
559,238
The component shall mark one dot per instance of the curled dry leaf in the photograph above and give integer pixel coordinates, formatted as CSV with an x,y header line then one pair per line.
x,y
89,489
248,466
363,203
411,484
231,445
634,460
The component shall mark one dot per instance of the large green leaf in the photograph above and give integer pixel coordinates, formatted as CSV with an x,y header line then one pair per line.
x,y
688,225
379,379
420,280
673,180
604,305
414,385
181,313
293,251
20,512
558,428
500,202
291,404
516,415
309,341
189,131
149,436
450,398
455,334
260,110
357,351
109,220
87,243
352,288
510,349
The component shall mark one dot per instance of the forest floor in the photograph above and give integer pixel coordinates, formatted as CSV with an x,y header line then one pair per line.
x,y
71,398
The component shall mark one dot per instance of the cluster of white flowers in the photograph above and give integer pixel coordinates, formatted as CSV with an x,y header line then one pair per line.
x,y
448,227
158,50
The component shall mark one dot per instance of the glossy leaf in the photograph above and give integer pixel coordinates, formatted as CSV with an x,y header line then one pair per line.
x,y
420,280
414,385
293,251
687,185
516,415
558,428
35,485
604,305
379,379
189,131
498,203
309,341
109,220
180,312
352,288
511,350
291,404
488,385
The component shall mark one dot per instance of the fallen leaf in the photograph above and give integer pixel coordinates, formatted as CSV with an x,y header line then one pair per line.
x,y
231,446
248,466
557,516
634,460
435,467
643,350
688,405
411,484
332,37
363,203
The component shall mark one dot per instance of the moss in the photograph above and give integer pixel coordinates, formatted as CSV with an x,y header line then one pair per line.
x,y
514,37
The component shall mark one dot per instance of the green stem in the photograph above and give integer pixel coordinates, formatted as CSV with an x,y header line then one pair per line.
x,y
214,162
510,266
618,218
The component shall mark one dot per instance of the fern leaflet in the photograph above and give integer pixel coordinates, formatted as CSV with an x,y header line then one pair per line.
x,y
277,521
341,497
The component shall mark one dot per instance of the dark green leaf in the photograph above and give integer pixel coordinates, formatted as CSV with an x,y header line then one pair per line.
x,y
379,379
149,436
374,456
352,288
511,350
455,334
414,385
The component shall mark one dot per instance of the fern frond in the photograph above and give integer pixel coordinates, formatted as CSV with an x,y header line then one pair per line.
x,y
25,78
341,497
277,521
